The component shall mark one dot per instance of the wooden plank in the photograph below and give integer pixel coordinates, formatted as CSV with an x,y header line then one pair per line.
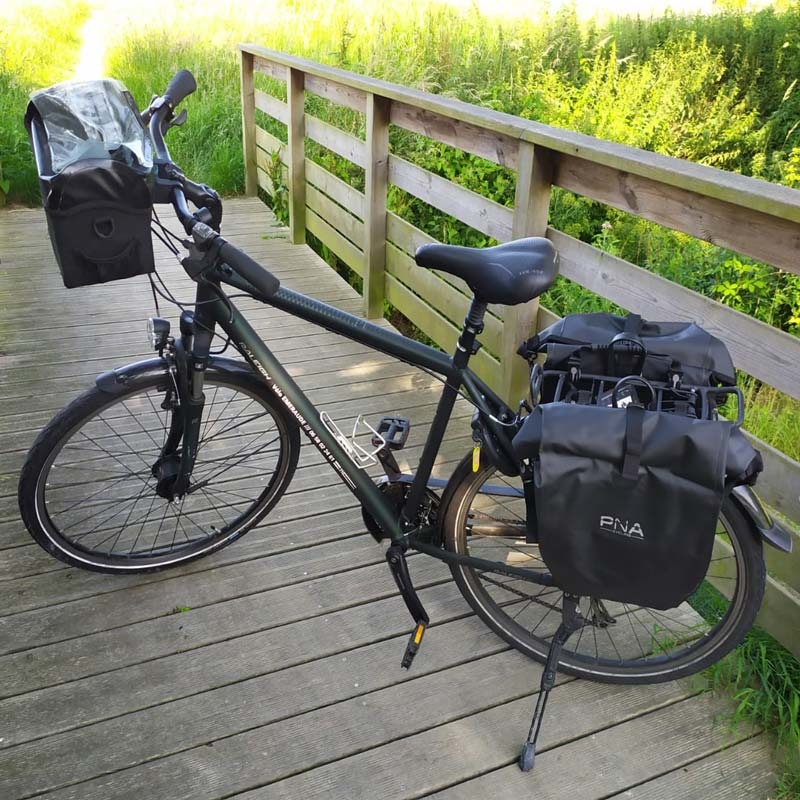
x,y
294,743
337,217
408,238
726,224
296,156
343,193
49,626
331,238
532,195
437,327
375,191
776,359
780,615
264,180
267,142
531,211
270,67
545,318
347,96
744,770
475,210
601,765
256,686
594,766
271,106
779,485
440,295
775,200
320,594
248,123
495,147
336,140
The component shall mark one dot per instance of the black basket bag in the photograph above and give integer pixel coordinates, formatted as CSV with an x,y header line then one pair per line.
x,y
94,159
625,463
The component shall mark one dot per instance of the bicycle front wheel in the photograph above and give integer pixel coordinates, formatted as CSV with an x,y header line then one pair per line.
x,y
484,515
87,491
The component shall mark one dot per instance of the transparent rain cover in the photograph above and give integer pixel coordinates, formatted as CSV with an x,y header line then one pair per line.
x,y
93,119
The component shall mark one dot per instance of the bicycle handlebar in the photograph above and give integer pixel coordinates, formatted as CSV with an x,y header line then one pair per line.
x,y
158,114
180,87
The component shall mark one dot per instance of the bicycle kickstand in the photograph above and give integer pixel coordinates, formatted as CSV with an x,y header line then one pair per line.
x,y
571,621
396,558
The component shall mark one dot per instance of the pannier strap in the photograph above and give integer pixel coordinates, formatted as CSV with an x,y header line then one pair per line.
x,y
633,325
634,428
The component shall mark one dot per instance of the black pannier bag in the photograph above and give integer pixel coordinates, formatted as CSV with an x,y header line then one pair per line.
x,y
624,475
94,158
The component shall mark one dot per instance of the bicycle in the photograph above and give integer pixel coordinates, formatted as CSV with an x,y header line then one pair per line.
x,y
153,466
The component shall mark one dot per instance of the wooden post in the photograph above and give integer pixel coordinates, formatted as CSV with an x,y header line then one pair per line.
x,y
249,125
295,95
531,209
376,185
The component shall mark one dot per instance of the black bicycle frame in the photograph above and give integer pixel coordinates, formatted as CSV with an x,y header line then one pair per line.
x,y
214,308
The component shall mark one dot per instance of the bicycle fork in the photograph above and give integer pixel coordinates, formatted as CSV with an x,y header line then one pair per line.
x,y
185,400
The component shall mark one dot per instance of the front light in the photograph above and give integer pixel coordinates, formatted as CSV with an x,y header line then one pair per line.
x,y
157,332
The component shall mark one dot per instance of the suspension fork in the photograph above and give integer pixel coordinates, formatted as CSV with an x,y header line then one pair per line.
x,y
190,360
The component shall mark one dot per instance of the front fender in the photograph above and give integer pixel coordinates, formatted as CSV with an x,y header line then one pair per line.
x,y
114,381
771,532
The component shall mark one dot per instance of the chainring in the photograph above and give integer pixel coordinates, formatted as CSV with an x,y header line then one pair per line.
x,y
397,492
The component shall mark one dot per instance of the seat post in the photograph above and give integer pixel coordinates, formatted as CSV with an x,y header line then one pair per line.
x,y
473,327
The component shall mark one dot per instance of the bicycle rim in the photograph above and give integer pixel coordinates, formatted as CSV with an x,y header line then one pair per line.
x,y
96,498
620,642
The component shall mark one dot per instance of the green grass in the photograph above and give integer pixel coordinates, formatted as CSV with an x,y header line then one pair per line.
x,y
209,147
763,677
39,42
764,680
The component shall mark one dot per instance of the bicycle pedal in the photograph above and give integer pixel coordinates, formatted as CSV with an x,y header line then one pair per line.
x,y
395,431
412,648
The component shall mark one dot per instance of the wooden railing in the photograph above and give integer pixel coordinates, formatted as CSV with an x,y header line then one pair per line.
x,y
748,216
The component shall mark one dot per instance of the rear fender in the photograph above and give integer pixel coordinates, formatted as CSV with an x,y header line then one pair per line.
x,y
773,533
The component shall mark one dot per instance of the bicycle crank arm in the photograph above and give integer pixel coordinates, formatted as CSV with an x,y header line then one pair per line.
x,y
396,559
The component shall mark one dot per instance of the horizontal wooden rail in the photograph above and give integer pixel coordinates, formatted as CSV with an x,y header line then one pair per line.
x,y
749,216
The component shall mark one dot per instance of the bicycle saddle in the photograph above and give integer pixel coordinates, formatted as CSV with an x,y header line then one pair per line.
x,y
509,273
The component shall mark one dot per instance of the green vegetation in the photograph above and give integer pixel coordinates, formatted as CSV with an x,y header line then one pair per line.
x,y
764,679
39,45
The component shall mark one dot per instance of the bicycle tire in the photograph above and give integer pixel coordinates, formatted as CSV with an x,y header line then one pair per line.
x,y
660,645
101,512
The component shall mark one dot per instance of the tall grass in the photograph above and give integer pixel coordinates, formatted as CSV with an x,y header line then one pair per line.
x,y
764,679
39,42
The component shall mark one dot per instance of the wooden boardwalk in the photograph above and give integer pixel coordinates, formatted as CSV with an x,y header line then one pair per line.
x,y
281,677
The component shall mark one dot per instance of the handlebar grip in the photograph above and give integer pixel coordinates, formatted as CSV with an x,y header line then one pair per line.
x,y
263,280
180,87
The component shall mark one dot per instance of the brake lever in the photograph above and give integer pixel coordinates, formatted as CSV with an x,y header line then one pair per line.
x,y
173,122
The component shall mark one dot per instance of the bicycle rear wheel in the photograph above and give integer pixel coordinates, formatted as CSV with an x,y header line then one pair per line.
x,y
87,491
483,515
